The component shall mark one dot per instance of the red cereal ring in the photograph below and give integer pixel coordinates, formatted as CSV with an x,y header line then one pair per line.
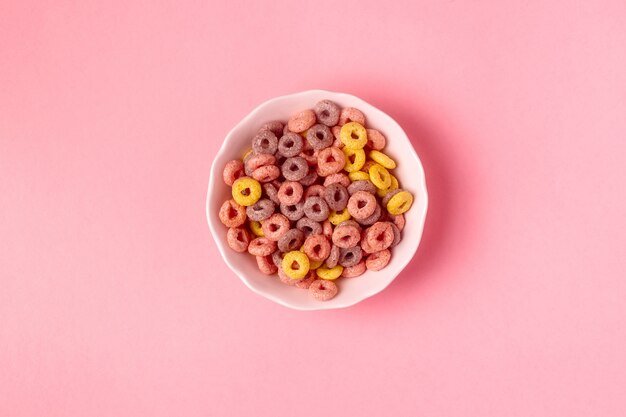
x,y
266,173
261,246
232,214
323,290
378,260
275,226
354,271
306,282
375,139
301,121
362,205
315,190
232,171
266,265
346,236
290,192
327,229
350,114
379,236
310,156
339,178
238,239
316,247
330,160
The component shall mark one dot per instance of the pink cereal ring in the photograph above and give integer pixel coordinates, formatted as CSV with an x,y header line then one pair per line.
x,y
290,192
260,160
398,220
266,265
310,156
301,121
350,114
232,214
238,239
323,290
275,226
380,236
315,190
375,139
316,247
285,279
305,283
346,236
232,171
378,260
354,271
336,133
361,205
339,178
330,160
327,229
261,246
266,173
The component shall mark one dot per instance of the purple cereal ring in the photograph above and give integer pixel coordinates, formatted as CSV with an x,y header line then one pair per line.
x,y
323,290
275,226
350,256
290,144
327,112
316,190
271,191
295,168
379,236
327,229
336,196
266,265
362,185
330,161
378,260
354,271
310,156
340,178
232,171
361,205
350,114
301,121
309,227
375,139
310,178
319,137
275,126
266,173
265,142
315,208
292,240
316,247
368,221
346,236
261,246
306,282
238,239
290,192
397,235
333,257
293,212
261,210
277,258
232,214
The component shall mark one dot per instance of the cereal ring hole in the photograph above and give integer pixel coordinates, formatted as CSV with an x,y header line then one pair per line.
x,y
325,113
245,192
361,204
273,227
353,135
295,265
352,158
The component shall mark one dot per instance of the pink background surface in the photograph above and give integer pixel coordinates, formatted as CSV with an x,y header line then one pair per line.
x,y
113,301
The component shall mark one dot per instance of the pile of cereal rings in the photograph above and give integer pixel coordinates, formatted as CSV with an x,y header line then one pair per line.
x,y
314,199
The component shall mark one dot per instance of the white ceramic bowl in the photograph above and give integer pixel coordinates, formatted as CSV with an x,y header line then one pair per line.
x,y
351,290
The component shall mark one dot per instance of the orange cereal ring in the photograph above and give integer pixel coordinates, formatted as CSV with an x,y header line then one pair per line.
x,y
323,290
266,173
362,205
290,192
232,214
275,226
330,160
316,247
327,229
350,114
378,260
339,178
375,139
261,246
380,236
306,282
266,265
346,236
354,271
238,239
301,121
232,171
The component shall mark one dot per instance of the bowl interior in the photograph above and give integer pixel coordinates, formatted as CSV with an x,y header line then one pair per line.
x,y
409,172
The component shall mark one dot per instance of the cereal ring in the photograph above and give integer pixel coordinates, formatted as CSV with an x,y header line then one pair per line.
x,y
266,174
375,139
400,202
350,256
339,178
290,192
379,236
359,176
265,141
247,154
368,221
382,159
285,279
314,264
327,229
232,171
397,235
316,247
337,217
380,176
353,135
323,290
361,205
266,265
316,190
256,229
275,227
330,161
277,258
362,185
310,156
290,144
260,210
232,214
315,208
346,236
292,240
301,121
295,264
394,186
378,260
238,239
397,219
337,135
365,245
275,126
319,137
246,191
309,227
333,257
295,168
310,178
327,112
293,212
355,159
271,191
306,282
350,223
336,195
350,114
257,161
388,196
354,271
329,274
367,165
261,246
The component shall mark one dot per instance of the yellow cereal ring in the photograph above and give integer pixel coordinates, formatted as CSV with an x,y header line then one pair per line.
x,y
246,191
379,176
400,203
358,175
355,158
256,228
295,264
394,186
353,135
248,152
314,264
329,273
382,159
336,217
